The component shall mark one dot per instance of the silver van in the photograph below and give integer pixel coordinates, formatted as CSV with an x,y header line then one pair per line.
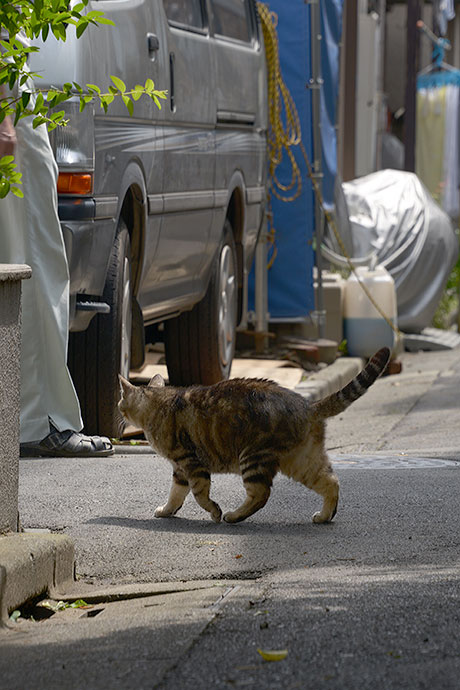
x,y
160,211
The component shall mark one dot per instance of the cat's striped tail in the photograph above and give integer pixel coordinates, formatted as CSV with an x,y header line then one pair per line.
x,y
338,402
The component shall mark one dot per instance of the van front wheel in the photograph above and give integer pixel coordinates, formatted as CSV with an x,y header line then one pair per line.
x,y
99,354
200,344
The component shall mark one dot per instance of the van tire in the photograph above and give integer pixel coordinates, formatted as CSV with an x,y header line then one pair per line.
x,y
200,344
97,355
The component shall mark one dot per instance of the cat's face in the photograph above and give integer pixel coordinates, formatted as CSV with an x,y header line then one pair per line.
x,y
132,397
127,395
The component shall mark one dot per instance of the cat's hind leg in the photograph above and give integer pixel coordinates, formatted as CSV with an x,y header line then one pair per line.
x,y
199,480
326,485
313,470
177,495
257,479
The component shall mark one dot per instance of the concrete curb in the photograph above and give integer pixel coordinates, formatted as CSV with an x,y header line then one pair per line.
x,y
330,379
33,564
120,592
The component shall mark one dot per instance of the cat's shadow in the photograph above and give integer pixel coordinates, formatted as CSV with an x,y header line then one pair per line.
x,y
180,524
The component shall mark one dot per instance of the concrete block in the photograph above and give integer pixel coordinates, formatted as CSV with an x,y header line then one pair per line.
x,y
333,293
33,564
10,351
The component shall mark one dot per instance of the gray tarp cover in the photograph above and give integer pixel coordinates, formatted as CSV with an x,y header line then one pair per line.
x,y
390,218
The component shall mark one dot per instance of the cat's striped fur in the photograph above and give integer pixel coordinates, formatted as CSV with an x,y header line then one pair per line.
x,y
250,427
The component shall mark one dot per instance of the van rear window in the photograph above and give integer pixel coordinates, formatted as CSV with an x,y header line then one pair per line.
x,y
185,12
232,19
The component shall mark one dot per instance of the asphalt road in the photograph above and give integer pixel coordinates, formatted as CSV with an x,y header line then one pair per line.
x,y
370,601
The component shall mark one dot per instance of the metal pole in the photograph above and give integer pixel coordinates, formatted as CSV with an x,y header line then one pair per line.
x,y
413,15
349,57
261,292
315,84
381,101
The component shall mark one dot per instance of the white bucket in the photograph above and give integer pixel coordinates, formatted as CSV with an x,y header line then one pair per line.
x,y
365,329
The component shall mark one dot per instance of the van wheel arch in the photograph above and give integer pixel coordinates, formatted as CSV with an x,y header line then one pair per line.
x,y
235,216
200,344
133,213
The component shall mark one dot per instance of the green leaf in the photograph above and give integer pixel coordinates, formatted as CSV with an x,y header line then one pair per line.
x,y
128,103
49,96
137,92
105,20
119,83
81,28
17,192
39,103
149,85
37,121
78,604
6,160
59,117
60,98
93,87
18,114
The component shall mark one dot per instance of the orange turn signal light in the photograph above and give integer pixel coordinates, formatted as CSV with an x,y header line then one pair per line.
x,y
74,183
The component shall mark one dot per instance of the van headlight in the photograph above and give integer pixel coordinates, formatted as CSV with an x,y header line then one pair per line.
x,y
73,145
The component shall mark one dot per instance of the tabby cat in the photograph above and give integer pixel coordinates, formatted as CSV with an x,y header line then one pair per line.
x,y
251,427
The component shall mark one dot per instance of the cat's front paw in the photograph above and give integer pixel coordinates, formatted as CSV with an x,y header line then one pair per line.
x,y
318,518
162,512
216,513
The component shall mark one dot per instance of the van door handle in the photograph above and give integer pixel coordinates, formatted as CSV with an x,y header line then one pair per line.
x,y
172,94
153,44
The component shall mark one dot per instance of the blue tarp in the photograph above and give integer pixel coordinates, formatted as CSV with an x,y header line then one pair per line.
x,y
290,278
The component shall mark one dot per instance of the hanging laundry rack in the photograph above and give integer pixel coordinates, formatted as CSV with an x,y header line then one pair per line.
x,y
437,141
438,72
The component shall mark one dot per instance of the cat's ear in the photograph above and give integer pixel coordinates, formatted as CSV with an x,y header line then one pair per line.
x,y
125,385
157,381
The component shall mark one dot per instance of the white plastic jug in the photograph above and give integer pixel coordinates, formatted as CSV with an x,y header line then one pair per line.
x,y
364,327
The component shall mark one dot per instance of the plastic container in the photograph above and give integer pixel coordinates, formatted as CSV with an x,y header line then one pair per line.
x,y
365,329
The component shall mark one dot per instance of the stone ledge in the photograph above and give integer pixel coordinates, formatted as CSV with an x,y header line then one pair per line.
x,y
33,564
12,272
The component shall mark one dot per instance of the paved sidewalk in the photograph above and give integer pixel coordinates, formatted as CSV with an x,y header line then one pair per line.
x,y
369,601
46,561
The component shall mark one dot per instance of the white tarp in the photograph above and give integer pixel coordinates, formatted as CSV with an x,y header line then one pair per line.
x,y
390,218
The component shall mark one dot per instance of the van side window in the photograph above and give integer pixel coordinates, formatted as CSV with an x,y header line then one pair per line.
x,y
232,19
188,13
